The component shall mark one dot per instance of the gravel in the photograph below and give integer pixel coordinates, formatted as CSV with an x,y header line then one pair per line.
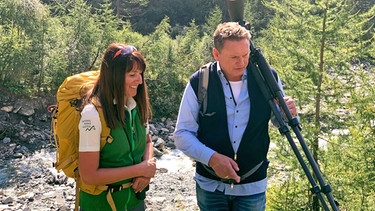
x,y
30,183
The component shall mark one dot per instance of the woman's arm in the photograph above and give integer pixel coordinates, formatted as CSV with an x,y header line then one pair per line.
x,y
91,173
89,153
140,183
149,151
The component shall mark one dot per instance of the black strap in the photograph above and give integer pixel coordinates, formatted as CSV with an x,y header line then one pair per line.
x,y
243,177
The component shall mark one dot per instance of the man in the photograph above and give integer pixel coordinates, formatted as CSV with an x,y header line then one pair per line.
x,y
230,141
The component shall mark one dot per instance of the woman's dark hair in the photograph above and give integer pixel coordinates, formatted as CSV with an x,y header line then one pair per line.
x,y
109,88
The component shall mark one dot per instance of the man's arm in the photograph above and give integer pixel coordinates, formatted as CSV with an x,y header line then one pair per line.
x,y
290,103
185,135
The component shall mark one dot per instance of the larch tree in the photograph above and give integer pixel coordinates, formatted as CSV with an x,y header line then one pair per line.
x,y
313,45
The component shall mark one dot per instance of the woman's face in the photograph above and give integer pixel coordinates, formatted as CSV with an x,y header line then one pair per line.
x,y
132,80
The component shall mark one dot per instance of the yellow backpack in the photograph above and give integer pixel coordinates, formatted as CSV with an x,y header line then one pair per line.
x,y
66,115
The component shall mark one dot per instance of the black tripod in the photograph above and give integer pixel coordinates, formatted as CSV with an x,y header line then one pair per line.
x,y
266,81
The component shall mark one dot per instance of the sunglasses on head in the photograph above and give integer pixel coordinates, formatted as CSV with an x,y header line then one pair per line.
x,y
125,50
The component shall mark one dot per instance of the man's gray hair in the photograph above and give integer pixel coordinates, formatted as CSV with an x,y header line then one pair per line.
x,y
229,31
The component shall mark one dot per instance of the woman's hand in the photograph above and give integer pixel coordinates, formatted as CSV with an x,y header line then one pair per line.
x,y
140,183
149,167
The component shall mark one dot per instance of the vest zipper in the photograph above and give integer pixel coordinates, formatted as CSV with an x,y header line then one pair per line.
x,y
234,158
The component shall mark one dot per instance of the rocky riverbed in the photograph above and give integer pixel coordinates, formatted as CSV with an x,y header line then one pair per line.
x,y
28,181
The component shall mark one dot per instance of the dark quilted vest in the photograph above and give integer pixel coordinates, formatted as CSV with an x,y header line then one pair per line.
x,y
213,130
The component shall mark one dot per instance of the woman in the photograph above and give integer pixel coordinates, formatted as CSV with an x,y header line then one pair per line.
x,y
125,164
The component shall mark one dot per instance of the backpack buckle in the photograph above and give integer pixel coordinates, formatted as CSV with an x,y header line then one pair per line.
x,y
115,188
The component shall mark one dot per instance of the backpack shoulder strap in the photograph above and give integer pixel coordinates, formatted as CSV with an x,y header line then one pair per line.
x,y
204,72
105,135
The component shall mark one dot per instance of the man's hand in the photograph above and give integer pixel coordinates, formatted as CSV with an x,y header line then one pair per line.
x,y
224,167
291,106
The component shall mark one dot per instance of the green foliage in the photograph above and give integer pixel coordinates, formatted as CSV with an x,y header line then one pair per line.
x,y
213,19
316,46
162,73
354,148
108,25
171,62
180,12
313,46
81,36
257,14
21,44
190,50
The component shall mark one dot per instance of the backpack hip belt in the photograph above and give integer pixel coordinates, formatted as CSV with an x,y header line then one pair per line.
x,y
112,189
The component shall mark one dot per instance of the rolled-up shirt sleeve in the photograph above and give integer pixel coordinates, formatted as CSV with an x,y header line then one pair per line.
x,y
185,135
90,129
273,118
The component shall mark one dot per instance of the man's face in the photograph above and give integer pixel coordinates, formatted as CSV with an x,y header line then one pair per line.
x,y
233,58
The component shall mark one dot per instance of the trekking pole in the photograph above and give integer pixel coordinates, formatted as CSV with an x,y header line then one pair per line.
x,y
266,81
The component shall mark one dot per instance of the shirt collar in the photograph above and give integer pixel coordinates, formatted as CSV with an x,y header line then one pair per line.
x,y
130,103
